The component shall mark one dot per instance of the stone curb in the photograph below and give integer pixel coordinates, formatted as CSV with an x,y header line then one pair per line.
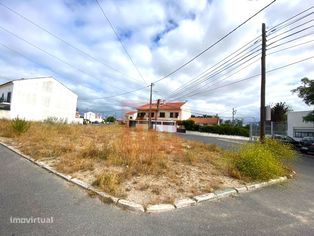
x,y
181,203
130,205
225,193
159,208
184,203
205,197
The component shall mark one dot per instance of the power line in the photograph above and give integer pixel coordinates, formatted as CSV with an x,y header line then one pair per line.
x,y
124,48
253,55
287,31
226,77
61,39
253,76
276,27
118,95
211,46
292,34
289,41
293,46
52,55
222,62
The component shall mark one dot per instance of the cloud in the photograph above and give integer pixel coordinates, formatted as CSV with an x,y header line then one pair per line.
x,y
160,36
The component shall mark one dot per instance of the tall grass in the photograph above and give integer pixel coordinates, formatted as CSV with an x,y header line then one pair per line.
x,y
20,125
257,161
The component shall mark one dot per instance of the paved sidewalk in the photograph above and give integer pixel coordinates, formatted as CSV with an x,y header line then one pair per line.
x,y
29,191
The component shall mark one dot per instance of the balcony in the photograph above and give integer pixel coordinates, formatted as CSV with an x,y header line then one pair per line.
x,y
5,106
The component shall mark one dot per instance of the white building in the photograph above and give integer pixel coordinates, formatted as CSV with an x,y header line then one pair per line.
x,y
92,117
297,128
164,116
37,99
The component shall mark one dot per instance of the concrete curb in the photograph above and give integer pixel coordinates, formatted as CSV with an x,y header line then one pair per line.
x,y
181,203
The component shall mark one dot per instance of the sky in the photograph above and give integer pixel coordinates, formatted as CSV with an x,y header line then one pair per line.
x,y
73,41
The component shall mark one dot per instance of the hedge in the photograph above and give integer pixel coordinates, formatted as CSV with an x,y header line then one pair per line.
x,y
226,129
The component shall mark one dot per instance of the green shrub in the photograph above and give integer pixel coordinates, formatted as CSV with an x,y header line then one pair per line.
x,y
55,120
257,161
20,125
226,129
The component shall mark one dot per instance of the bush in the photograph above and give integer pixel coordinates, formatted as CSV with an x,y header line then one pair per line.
x,y
55,120
20,125
226,129
257,161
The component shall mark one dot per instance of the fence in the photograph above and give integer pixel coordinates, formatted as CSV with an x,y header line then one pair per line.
x,y
271,129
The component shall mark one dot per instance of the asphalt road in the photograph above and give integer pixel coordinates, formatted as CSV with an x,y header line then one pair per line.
x,y
221,142
29,191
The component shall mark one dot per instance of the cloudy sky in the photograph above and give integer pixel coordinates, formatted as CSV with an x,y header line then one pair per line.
x,y
72,41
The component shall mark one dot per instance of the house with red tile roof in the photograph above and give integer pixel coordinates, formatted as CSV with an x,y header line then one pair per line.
x,y
164,115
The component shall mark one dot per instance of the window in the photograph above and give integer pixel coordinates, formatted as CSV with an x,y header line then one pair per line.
x,y
152,114
168,123
141,114
161,114
9,97
302,133
174,114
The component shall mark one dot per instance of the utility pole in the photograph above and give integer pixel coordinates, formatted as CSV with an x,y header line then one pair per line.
x,y
233,114
158,102
263,84
150,107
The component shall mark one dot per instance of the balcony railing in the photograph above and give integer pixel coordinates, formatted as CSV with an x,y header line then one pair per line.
x,y
5,105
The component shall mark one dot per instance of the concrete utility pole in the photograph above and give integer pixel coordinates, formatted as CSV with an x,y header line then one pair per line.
x,y
263,84
158,102
150,107
233,114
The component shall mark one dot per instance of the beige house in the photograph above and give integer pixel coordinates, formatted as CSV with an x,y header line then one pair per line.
x,y
164,115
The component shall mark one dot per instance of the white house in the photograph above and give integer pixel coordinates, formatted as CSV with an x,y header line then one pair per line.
x,y
297,128
37,99
92,117
164,116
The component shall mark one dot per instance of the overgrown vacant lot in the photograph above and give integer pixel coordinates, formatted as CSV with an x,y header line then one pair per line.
x,y
145,167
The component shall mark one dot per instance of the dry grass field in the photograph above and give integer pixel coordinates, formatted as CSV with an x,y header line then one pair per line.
x,y
143,166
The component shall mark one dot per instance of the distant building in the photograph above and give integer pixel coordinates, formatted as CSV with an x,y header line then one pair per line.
x,y
93,117
37,99
130,115
297,128
164,116
205,120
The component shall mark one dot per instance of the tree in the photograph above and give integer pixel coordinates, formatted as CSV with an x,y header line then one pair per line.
x,y
306,92
279,112
111,119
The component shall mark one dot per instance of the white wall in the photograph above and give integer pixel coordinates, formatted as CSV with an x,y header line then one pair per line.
x,y
295,122
5,114
39,99
185,112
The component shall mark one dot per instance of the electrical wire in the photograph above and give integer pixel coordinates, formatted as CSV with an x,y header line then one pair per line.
x,y
123,46
52,55
296,45
277,27
217,65
253,55
253,76
61,39
214,44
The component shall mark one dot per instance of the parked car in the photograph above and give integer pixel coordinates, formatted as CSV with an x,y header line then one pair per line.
x,y
307,144
288,140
